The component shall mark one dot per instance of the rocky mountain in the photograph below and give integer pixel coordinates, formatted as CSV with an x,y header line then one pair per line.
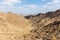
x,y
46,26
43,26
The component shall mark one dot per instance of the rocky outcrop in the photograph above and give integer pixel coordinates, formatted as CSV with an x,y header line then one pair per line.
x,y
46,26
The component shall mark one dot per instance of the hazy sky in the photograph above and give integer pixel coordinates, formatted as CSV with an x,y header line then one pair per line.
x,y
29,6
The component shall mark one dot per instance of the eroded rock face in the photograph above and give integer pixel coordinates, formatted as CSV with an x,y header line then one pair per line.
x,y
46,26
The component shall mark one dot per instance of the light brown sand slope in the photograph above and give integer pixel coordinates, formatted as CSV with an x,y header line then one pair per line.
x,y
12,25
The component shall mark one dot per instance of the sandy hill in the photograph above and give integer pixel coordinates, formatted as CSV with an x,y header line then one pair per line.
x,y
12,26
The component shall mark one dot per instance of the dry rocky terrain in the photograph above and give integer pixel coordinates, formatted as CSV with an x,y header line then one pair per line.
x,y
46,26
12,26
43,26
